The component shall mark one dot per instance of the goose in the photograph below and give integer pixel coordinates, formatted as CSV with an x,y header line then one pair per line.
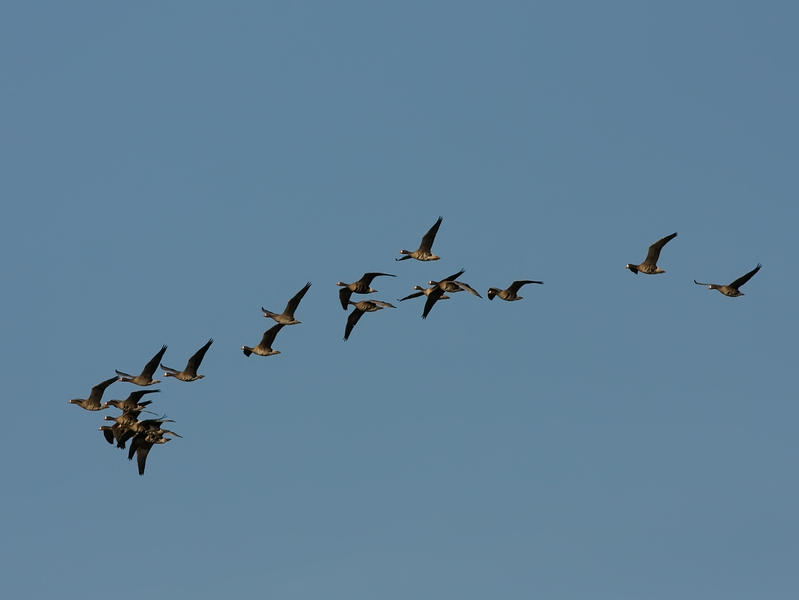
x,y
732,290
423,292
287,316
362,286
140,446
649,266
362,307
510,293
146,376
131,403
448,284
264,348
190,372
424,250
115,432
93,401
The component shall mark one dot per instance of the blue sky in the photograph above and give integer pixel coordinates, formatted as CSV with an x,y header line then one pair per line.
x,y
171,168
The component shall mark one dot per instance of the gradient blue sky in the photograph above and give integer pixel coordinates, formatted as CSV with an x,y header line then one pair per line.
x,y
168,168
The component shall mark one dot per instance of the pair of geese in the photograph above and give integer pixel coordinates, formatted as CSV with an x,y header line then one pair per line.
x,y
649,266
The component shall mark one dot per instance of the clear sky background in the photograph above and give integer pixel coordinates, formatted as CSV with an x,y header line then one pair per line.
x,y
169,168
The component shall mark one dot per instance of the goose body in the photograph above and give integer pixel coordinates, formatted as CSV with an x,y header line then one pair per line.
x,y
361,307
287,316
423,292
190,372
362,286
448,284
146,376
510,294
95,395
424,251
264,348
649,266
731,289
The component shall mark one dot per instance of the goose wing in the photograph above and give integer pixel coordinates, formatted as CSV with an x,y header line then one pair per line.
x,y
197,358
295,300
97,390
432,297
151,366
355,315
414,295
514,287
269,336
344,295
452,277
382,304
744,278
430,236
654,250
368,277
468,288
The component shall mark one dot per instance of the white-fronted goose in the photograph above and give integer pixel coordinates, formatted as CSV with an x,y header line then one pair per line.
x,y
362,286
131,403
96,393
448,284
649,266
423,292
190,372
115,432
361,307
146,375
732,290
510,294
287,316
264,348
424,250
140,446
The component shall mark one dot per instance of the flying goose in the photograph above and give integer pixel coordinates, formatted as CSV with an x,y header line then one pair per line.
x,y
190,372
146,375
649,266
510,293
362,286
732,290
131,403
287,316
362,307
140,446
264,348
423,292
93,401
424,250
448,284
115,432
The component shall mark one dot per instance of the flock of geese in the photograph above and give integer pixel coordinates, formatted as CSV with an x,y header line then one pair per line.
x,y
144,434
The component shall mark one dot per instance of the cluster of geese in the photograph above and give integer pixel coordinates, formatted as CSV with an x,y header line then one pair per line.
x,y
144,434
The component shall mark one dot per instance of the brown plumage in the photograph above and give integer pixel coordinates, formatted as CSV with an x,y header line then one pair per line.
x,y
287,316
146,375
264,348
96,393
423,292
510,294
424,252
190,372
362,286
649,266
360,308
732,290
448,284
